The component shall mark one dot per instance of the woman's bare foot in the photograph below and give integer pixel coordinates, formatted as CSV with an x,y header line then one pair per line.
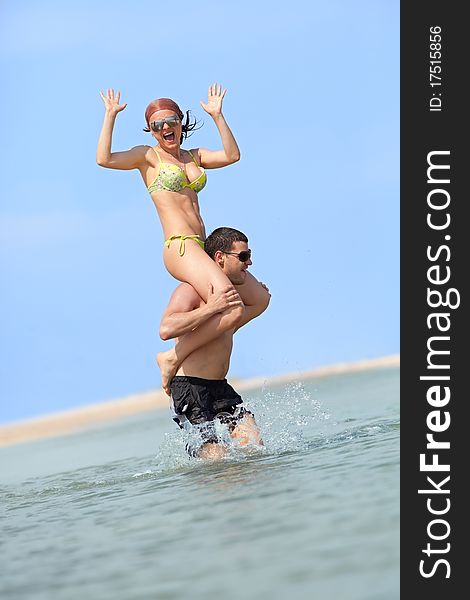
x,y
168,364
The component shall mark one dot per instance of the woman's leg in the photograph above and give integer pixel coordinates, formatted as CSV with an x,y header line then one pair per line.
x,y
197,269
253,293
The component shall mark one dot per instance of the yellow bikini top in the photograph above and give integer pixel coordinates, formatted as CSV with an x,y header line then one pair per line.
x,y
172,178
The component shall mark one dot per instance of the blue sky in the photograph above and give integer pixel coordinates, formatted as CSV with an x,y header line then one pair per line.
x,y
313,100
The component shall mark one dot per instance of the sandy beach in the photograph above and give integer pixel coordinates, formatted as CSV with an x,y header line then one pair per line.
x,y
63,423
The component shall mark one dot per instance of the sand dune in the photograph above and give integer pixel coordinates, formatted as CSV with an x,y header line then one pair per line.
x,y
80,418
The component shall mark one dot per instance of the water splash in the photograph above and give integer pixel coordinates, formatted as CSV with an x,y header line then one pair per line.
x,y
286,418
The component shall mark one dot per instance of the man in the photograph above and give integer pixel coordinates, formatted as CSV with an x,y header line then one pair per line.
x,y
199,391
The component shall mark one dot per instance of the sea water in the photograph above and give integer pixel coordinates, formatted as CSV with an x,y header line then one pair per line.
x,y
121,512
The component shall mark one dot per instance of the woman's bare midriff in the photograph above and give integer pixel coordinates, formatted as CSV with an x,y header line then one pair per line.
x,y
179,213
185,260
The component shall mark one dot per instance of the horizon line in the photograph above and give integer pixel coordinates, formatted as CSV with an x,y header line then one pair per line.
x,y
81,417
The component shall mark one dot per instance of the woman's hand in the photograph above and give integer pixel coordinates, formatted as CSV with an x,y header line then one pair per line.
x,y
111,102
215,95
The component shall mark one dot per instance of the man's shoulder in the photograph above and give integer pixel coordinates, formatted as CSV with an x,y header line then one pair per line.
x,y
186,291
186,288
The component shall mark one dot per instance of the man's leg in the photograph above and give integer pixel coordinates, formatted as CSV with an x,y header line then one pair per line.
x,y
212,451
247,431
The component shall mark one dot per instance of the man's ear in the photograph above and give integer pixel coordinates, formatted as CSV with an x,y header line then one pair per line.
x,y
219,258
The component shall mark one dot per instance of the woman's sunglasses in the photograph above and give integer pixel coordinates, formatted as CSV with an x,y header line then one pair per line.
x,y
170,121
243,256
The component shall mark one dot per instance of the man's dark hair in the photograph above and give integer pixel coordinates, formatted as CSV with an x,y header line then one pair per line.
x,y
222,239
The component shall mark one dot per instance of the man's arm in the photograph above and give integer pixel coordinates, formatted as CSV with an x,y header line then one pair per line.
x,y
186,309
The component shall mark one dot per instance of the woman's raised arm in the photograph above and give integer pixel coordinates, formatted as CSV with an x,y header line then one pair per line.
x,y
129,159
213,159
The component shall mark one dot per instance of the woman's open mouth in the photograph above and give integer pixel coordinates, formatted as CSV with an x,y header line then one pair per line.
x,y
169,137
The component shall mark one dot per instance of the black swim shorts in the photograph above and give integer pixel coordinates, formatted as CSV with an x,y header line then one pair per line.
x,y
200,401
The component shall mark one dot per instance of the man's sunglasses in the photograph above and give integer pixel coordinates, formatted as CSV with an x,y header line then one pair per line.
x,y
243,256
170,121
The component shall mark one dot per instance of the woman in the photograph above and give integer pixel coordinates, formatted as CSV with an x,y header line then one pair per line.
x,y
174,177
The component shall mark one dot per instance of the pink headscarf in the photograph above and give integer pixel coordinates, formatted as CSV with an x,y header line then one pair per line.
x,y
162,104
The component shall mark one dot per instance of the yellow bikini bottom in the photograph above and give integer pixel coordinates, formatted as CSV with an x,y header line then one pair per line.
x,y
182,239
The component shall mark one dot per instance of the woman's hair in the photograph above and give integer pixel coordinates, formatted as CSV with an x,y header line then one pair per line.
x,y
222,239
169,104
